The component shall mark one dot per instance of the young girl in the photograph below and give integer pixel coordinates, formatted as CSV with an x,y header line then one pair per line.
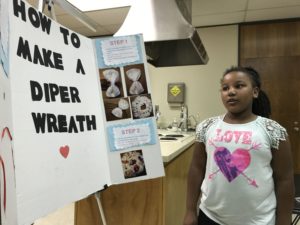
x,y
242,161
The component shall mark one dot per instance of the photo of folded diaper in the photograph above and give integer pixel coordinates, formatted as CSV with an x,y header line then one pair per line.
x,y
112,76
123,105
134,75
111,84
135,79
117,109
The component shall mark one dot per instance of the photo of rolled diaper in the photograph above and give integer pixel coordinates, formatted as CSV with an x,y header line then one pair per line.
x,y
135,79
141,106
111,83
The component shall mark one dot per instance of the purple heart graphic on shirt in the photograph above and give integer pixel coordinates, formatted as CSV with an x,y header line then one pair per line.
x,y
232,164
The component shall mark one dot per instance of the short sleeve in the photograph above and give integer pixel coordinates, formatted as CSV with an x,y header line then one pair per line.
x,y
276,132
202,129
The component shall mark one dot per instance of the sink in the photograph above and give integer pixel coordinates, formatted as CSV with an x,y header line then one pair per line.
x,y
168,138
174,135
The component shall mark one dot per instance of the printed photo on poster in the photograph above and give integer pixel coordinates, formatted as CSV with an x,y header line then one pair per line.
x,y
141,106
135,79
117,109
111,83
133,164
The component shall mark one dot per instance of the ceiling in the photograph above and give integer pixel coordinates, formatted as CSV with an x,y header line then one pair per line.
x,y
204,13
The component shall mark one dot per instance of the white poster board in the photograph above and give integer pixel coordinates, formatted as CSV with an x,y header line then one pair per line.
x,y
134,150
57,144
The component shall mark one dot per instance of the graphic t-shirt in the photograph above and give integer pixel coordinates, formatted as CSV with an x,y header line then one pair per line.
x,y
238,187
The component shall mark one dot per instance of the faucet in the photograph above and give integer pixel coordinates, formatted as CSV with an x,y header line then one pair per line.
x,y
157,112
157,116
184,116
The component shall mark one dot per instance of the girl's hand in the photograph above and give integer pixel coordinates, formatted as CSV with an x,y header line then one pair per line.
x,y
190,218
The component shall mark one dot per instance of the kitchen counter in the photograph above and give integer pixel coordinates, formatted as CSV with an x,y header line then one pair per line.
x,y
159,201
170,149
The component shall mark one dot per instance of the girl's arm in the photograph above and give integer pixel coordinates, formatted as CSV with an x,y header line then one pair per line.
x,y
283,175
195,178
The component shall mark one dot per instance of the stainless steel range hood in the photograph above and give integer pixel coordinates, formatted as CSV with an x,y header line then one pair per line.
x,y
170,39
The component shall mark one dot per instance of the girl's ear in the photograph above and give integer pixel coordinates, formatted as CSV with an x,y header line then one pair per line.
x,y
255,92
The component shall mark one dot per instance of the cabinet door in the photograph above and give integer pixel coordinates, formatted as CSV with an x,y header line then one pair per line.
x,y
175,188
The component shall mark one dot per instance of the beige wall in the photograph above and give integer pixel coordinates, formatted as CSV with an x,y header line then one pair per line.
x,y
203,81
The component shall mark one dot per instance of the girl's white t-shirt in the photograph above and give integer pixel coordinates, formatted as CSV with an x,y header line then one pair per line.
x,y
238,188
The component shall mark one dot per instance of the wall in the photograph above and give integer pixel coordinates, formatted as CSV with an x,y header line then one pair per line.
x,y
203,81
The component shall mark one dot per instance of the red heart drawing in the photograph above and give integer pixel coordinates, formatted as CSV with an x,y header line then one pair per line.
x,y
232,164
64,151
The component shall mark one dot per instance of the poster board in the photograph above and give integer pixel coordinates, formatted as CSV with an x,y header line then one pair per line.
x,y
133,145
57,144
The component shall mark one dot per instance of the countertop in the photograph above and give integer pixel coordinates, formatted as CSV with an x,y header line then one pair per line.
x,y
172,148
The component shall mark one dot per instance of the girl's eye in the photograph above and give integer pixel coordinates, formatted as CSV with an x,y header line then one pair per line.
x,y
239,86
225,88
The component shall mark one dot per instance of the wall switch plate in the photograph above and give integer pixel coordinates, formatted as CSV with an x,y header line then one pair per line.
x,y
176,92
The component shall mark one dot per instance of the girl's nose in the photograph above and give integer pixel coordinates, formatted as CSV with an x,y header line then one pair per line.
x,y
231,91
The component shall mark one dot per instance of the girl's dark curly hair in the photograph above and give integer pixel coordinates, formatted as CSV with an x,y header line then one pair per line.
x,y
261,105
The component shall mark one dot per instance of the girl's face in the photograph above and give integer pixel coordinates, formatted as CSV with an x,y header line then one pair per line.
x,y
237,93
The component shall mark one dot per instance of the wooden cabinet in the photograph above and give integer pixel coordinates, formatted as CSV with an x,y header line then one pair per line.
x,y
159,201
